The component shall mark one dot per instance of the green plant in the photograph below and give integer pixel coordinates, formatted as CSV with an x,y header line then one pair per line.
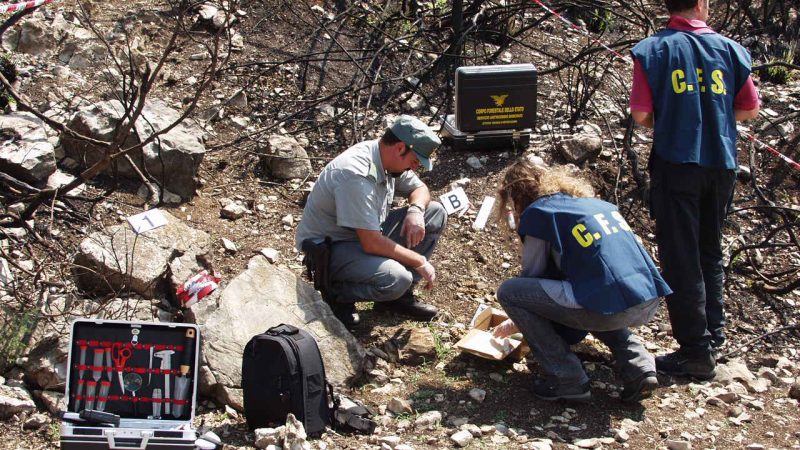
x,y
442,349
776,70
737,259
501,416
405,416
9,71
776,74
14,335
54,432
597,20
423,395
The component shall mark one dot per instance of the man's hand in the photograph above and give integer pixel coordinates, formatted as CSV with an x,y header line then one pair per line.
x,y
427,272
413,227
506,328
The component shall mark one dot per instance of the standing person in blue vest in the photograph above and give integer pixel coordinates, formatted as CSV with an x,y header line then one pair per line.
x,y
691,85
377,253
583,268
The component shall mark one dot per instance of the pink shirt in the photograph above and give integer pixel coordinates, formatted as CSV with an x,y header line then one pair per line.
x,y
642,97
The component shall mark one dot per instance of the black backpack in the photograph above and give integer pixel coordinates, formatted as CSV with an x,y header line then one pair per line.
x,y
282,373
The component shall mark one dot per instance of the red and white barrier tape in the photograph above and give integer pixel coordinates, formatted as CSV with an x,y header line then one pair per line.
x,y
23,5
617,54
775,152
582,31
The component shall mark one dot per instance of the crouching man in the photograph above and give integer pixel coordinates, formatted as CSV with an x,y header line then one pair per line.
x,y
377,254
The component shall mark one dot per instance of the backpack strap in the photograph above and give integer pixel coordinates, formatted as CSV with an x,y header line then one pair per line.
x,y
332,398
345,419
316,406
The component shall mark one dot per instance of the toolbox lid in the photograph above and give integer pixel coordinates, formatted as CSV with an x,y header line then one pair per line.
x,y
497,97
495,69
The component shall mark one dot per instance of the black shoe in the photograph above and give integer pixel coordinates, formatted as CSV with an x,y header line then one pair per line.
x,y
408,306
552,390
680,364
716,351
346,313
639,388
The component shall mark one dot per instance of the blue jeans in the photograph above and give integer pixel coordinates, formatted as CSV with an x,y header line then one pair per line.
x,y
532,310
357,276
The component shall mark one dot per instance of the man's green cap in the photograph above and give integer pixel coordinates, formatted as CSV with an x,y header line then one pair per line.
x,y
417,136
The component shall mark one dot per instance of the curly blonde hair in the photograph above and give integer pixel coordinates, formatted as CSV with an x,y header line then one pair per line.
x,y
524,182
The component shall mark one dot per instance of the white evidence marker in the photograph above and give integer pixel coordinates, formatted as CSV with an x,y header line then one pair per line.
x,y
455,201
483,214
147,221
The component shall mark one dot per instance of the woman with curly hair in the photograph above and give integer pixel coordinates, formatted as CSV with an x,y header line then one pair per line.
x,y
582,269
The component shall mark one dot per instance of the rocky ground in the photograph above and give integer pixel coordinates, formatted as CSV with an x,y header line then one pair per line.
x,y
444,398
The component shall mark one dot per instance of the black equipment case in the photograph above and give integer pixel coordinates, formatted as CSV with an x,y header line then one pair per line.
x,y
484,140
495,108
156,363
501,97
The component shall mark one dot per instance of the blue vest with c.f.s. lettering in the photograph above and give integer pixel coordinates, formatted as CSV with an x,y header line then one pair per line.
x,y
608,269
694,78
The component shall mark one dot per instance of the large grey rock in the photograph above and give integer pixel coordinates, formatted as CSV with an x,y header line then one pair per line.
x,y
735,370
265,437
54,402
14,400
286,158
417,345
259,298
26,153
116,257
462,438
81,49
295,437
172,159
46,364
580,148
35,37
81,54
59,179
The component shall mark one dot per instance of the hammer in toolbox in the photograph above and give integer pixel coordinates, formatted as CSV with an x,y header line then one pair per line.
x,y
182,381
166,365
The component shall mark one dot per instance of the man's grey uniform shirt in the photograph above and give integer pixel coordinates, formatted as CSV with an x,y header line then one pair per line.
x,y
353,191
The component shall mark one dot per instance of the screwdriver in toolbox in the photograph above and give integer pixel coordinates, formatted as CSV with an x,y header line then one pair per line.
x,y
90,390
108,363
156,403
81,371
105,386
79,392
97,370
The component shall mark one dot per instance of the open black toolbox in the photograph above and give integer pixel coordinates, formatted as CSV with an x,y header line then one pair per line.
x,y
144,372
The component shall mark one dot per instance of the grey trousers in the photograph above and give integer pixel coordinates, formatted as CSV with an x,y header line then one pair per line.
x,y
532,310
357,276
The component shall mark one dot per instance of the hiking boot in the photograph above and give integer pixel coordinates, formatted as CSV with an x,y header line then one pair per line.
x,y
408,305
552,390
346,313
639,388
680,364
